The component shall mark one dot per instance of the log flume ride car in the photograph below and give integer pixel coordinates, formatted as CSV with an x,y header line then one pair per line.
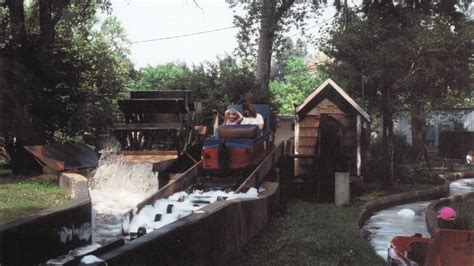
x,y
235,150
234,160
219,174
446,247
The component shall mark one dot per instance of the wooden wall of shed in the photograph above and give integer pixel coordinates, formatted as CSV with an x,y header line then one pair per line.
x,y
307,135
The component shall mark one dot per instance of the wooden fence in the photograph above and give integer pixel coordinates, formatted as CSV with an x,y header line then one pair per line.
x,y
455,144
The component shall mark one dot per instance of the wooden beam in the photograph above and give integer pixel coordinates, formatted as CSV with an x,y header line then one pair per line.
x,y
359,157
166,94
257,176
178,184
153,105
147,126
296,151
303,156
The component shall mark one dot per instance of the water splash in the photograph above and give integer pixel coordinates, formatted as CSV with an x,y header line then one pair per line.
x,y
115,174
116,186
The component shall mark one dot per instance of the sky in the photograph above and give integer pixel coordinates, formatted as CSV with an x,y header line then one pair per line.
x,y
146,20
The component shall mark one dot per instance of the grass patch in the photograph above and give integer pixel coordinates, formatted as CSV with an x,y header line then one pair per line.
x,y
368,197
311,234
21,196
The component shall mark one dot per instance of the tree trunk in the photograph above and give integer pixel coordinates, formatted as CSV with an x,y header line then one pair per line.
x,y
46,25
270,17
418,120
265,44
17,21
387,120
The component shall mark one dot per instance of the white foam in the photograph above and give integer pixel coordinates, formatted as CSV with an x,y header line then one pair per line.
x,y
126,224
176,196
409,213
115,188
139,220
148,211
89,259
183,203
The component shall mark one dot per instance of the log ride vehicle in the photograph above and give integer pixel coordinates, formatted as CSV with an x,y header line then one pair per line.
x,y
236,158
235,150
446,247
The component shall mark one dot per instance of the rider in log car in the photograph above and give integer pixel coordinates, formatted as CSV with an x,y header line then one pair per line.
x,y
251,117
232,117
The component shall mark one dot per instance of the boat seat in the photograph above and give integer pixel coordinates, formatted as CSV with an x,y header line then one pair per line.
x,y
418,251
238,132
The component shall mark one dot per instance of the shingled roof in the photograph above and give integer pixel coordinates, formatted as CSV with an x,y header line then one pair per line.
x,y
327,85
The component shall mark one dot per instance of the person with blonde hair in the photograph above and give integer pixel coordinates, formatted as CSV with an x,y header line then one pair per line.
x,y
232,117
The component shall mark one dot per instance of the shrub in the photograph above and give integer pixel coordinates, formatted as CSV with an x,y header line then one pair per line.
x,y
375,167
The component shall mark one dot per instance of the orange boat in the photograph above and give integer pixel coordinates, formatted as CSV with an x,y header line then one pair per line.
x,y
447,247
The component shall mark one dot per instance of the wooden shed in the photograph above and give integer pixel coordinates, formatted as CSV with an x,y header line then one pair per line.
x,y
328,134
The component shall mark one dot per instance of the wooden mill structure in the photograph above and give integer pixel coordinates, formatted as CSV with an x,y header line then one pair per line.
x,y
156,120
329,133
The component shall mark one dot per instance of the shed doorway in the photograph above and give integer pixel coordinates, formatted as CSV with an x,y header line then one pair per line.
x,y
330,151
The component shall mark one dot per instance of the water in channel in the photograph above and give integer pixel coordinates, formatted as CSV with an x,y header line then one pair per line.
x,y
115,187
405,219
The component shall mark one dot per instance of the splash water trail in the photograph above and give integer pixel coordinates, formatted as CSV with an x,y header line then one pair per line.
x,y
116,187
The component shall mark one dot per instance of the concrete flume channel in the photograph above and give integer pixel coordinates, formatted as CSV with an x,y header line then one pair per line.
x,y
411,212
215,234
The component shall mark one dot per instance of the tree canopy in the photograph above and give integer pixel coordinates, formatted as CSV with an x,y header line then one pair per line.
x,y
262,27
216,84
402,55
298,82
62,75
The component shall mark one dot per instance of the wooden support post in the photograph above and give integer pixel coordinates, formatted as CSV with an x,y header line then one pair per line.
x,y
277,174
296,151
216,123
359,157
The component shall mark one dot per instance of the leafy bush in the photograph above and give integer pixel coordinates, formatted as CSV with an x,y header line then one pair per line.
x,y
299,82
216,85
375,167
465,210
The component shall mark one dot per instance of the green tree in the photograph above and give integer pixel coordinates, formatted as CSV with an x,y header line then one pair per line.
x,y
396,53
284,54
71,75
216,84
262,27
298,83
169,76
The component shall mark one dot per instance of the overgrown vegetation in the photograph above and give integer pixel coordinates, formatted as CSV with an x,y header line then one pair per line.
x,y
295,85
20,196
375,166
63,76
216,84
407,171
465,210
403,55
311,234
